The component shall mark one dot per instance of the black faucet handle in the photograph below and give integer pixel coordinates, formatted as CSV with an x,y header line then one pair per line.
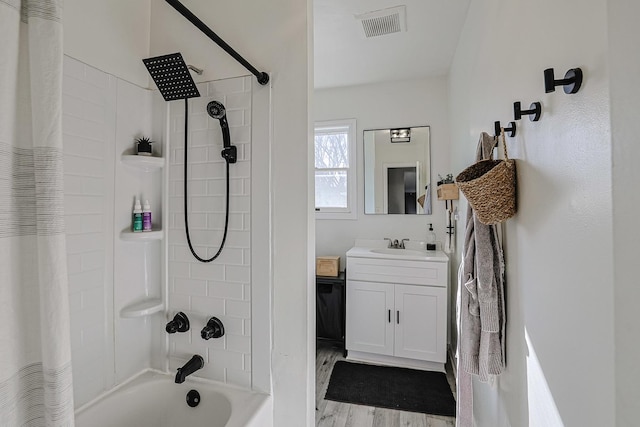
x,y
214,329
180,323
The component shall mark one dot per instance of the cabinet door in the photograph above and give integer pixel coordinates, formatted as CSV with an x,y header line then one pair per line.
x,y
369,317
420,322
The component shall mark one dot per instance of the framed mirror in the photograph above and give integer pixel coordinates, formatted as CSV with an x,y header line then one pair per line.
x,y
397,171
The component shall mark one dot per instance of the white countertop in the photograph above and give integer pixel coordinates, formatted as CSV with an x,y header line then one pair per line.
x,y
377,249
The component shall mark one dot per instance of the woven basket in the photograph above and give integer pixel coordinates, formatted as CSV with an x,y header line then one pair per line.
x,y
490,187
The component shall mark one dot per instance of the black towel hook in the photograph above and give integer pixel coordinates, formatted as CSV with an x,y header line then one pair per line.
x,y
511,130
535,110
571,82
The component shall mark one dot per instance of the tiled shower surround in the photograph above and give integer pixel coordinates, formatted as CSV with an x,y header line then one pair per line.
x,y
221,288
89,98
102,115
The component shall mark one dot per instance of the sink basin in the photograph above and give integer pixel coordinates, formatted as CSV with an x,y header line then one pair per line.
x,y
376,250
399,252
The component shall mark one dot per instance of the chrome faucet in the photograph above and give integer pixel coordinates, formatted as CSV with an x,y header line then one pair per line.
x,y
394,244
195,363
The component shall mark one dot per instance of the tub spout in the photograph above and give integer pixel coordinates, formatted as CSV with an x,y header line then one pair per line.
x,y
189,368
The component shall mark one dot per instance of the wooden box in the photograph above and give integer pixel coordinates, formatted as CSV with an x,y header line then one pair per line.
x,y
328,266
448,192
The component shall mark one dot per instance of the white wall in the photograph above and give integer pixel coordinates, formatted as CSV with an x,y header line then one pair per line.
x,y
138,266
386,105
101,117
625,128
274,37
558,248
88,121
221,288
112,36
105,104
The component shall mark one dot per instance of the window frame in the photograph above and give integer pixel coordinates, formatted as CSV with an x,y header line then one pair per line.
x,y
350,212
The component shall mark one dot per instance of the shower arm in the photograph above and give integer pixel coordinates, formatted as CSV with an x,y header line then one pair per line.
x,y
263,78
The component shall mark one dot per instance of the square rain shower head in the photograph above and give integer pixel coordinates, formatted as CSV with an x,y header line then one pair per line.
x,y
172,76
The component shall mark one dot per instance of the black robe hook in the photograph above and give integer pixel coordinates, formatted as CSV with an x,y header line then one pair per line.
x,y
535,110
511,130
571,82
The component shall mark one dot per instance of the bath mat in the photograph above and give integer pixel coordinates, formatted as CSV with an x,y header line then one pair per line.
x,y
390,387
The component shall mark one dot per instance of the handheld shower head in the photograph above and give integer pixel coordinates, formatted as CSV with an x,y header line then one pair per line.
x,y
217,111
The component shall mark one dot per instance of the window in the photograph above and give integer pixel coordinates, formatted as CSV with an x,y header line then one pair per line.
x,y
335,174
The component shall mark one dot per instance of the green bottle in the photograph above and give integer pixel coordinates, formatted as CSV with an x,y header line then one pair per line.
x,y
137,217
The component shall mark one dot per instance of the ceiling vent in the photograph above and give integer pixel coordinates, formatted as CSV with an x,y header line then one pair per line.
x,y
385,21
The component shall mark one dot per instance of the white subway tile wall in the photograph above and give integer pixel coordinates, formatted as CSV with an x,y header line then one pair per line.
x,y
220,288
88,107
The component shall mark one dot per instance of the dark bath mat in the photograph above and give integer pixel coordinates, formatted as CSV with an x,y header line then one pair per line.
x,y
390,387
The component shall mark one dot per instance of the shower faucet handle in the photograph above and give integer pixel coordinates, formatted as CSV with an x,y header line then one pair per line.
x,y
180,323
214,329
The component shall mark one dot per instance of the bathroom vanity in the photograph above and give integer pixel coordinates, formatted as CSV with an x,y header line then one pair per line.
x,y
396,308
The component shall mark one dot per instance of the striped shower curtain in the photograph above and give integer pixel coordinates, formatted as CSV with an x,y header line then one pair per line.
x,y
35,352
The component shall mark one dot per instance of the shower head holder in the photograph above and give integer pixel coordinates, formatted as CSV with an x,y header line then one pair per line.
x,y
230,154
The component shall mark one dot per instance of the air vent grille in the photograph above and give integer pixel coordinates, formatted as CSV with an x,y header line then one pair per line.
x,y
382,22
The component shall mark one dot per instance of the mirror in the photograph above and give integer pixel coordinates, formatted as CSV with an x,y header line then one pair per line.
x,y
397,171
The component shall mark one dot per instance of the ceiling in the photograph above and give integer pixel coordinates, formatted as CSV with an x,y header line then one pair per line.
x,y
343,56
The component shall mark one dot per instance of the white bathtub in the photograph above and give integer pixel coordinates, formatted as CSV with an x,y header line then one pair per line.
x,y
152,399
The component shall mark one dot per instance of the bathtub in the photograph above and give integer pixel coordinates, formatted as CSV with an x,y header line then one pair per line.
x,y
152,399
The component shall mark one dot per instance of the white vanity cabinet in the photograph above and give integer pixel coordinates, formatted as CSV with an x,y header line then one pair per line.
x,y
421,315
396,309
369,325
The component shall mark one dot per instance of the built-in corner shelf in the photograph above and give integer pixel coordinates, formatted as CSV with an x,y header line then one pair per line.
x,y
142,308
145,163
141,236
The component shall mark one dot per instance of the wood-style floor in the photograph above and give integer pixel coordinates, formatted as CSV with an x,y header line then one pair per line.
x,y
336,414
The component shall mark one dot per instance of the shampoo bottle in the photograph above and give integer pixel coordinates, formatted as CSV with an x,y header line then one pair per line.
x,y
146,216
137,217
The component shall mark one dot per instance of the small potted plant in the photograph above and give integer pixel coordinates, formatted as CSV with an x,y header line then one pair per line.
x,y
447,189
143,146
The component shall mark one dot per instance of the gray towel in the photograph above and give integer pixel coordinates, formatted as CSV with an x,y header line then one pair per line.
x,y
481,314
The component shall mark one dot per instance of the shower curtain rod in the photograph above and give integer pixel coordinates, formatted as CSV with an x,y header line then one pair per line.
x,y
263,78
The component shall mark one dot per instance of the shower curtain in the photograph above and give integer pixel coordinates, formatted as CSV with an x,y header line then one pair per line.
x,y
35,351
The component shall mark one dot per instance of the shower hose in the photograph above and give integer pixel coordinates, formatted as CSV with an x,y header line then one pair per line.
x,y
186,212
